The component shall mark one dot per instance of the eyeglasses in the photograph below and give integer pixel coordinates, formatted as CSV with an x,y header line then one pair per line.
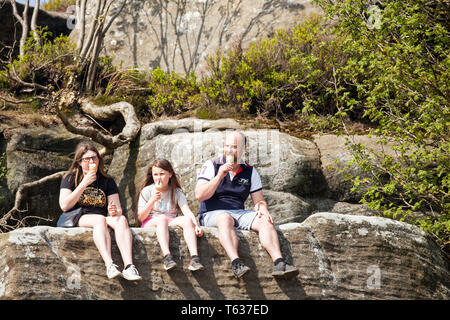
x,y
88,159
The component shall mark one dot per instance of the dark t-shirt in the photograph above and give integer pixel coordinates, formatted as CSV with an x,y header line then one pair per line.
x,y
95,197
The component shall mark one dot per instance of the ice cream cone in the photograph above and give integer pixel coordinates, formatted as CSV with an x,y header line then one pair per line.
x,y
230,158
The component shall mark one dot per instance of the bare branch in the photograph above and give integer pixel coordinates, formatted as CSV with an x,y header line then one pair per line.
x,y
87,44
26,84
10,99
105,113
23,21
20,196
81,23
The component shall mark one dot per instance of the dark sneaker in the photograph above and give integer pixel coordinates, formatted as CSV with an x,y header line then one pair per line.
x,y
284,270
290,271
239,268
169,263
278,269
195,264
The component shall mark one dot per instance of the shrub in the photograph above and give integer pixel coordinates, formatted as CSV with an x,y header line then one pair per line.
x,y
171,93
45,65
280,76
398,60
58,5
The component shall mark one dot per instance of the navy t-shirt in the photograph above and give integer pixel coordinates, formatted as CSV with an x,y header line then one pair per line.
x,y
95,197
232,190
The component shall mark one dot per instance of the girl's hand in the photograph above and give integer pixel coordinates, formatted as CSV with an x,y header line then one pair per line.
x,y
88,178
112,209
156,196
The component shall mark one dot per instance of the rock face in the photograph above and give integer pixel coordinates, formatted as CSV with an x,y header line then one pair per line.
x,y
179,35
296,174
32,154
339,257
289,167
335,160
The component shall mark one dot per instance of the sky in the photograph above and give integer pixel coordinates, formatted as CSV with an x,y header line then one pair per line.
x,y
31,2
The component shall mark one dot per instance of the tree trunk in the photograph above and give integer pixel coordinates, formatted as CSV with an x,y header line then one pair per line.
x,y
36,36
24,23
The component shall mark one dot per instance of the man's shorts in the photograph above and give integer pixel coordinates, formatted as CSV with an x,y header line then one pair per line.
x,y
243,219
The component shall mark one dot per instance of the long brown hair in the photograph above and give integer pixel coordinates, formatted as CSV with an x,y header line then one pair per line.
x,y
76,169
173,181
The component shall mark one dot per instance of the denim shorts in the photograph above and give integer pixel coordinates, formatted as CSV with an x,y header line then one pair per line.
x,y
243,219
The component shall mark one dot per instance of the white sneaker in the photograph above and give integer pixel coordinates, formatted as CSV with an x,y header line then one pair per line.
x,y
131,273
112,271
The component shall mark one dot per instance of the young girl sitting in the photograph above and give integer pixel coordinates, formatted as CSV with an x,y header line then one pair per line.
x,y
159,197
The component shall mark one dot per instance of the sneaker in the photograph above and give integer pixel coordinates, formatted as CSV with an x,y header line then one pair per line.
x,y
195,264
131,273
290,271
239,268
284,270
169,263
112,271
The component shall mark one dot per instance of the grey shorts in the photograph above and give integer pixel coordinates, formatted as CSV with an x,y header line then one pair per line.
x,y
243,219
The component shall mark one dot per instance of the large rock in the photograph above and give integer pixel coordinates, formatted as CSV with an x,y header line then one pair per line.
x,y
179,35
284,207
32,154
299,176
286,164
336,160
338,256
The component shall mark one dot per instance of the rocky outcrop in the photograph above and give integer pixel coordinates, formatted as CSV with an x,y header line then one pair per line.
x,y
179,35
298,175
336,162
339,257
32,154
289,167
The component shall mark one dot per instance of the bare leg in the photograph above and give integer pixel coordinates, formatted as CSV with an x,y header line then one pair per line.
x,y
101,235
227,236
124,238
162,232
188,232
268,237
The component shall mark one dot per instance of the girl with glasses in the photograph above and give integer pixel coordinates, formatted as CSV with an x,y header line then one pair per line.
x,y
86,185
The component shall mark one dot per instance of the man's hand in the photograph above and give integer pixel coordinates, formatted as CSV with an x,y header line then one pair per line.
x,y
224,169
264,213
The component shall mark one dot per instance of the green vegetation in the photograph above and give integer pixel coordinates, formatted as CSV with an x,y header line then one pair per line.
x,y
280,77
58,5
47,65
398,61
